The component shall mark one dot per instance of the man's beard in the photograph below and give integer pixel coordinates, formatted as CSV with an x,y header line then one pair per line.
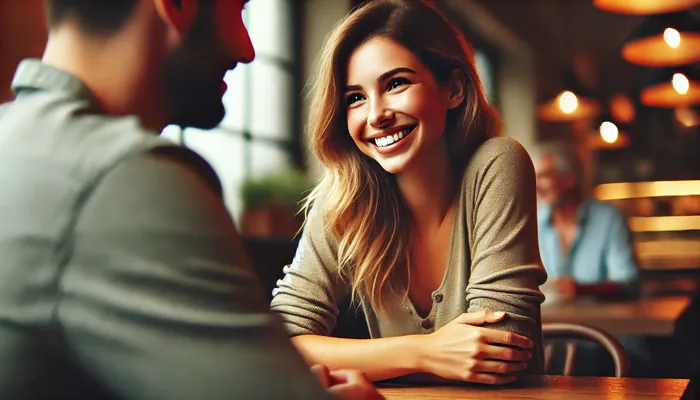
x,y
193,78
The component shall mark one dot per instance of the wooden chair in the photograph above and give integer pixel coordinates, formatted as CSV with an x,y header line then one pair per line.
x,y
583,332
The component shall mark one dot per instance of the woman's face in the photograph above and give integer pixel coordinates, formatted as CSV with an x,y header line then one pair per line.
x,y
396,109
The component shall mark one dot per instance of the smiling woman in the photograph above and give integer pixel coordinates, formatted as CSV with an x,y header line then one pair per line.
x,y
422,216
387,103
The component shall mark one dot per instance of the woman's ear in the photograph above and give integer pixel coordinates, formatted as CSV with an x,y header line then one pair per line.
x,y
455,87
179,15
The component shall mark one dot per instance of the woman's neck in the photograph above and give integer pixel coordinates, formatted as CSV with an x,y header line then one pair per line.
x,y
428,188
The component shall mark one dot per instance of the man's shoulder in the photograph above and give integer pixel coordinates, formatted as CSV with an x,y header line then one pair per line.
x,y
59,133
59,147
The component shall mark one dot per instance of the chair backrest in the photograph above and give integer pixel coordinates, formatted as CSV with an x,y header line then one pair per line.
x,y
564,330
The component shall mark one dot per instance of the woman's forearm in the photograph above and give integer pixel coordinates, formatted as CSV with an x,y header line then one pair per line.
x,y
379,359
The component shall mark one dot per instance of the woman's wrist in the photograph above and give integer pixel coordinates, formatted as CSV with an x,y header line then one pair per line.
x,y
416,352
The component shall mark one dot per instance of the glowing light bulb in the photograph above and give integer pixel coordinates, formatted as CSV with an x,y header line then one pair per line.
x,y
609,132
672,37
568,102
680,83
687,117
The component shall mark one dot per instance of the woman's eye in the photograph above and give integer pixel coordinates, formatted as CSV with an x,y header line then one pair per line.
x,y
397,82
355,97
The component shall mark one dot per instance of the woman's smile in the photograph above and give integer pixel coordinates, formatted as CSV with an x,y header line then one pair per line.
x,y
392,140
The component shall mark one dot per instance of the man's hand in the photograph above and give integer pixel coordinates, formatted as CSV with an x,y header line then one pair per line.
x,y
346,384
565,287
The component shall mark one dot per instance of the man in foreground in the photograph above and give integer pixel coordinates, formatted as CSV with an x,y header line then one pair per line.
x,y
122,274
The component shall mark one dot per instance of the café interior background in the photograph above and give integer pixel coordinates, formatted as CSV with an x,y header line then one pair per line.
x,y
554,69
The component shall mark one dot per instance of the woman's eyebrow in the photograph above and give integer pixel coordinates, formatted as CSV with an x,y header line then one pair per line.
x,y
383,77
393,72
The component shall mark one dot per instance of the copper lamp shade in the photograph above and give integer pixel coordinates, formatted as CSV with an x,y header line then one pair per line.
x,y
554,112
687,117
673,89
665,40
572,104
645,7
596,142
608,134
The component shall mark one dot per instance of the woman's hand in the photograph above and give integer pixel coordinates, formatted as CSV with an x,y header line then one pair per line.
x,y
346,384
462,351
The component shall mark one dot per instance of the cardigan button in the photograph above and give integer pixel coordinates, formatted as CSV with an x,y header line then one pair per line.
x,y
438,297
426,324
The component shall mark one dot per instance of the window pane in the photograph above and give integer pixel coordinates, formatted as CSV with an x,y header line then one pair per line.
x,y
171,132
485,71
269,24
270,101
235,98
266,158
225,153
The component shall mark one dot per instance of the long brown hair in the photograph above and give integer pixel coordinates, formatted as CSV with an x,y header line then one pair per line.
x,y
362,206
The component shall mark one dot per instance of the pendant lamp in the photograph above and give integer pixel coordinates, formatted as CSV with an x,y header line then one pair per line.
x,y
645,7
571,104
687,117
622,108
608,134
568,106
673,88
664,40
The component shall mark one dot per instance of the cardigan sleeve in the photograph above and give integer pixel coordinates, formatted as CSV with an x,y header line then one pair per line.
x,y
506,269
307,297
158,300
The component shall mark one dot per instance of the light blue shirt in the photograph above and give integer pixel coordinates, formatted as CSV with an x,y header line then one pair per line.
x,y
601,251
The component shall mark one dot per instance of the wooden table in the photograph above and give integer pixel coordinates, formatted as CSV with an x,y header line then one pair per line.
x,y
550,387
642,316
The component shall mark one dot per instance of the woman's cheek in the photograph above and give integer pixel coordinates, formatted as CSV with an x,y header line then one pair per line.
x,y
355,124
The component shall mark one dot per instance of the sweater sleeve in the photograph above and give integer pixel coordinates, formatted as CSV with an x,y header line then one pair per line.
x,y
307,297
506,269
159,301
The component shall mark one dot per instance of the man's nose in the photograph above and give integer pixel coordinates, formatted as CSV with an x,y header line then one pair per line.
x,y
247,51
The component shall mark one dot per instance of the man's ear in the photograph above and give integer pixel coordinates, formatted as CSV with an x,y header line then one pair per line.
x,y
179,15
456,87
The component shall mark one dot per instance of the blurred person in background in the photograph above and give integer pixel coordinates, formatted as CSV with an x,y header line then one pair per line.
x,y
585,244
422,216
122,273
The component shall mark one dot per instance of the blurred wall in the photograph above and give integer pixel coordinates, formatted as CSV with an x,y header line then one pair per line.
x,y
319,18
515,74
22,34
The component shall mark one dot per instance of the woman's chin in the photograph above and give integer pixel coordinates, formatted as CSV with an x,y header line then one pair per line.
x,y
394,165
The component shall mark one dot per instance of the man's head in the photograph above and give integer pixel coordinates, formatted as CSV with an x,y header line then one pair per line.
x,y
559,173
195,42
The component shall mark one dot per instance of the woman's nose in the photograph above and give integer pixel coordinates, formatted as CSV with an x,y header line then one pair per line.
x,y
380,116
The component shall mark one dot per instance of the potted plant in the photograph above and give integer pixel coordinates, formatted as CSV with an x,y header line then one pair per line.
x,y
271,203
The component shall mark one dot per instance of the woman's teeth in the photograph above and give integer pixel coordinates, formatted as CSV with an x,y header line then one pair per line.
x,y
391,139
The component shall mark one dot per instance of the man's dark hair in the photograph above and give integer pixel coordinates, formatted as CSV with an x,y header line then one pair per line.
x,y
94,16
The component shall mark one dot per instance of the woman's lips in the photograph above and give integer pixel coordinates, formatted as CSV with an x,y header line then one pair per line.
x,y
396,145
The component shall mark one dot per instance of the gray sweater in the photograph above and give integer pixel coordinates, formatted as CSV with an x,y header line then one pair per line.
x,y
494,260
121,272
